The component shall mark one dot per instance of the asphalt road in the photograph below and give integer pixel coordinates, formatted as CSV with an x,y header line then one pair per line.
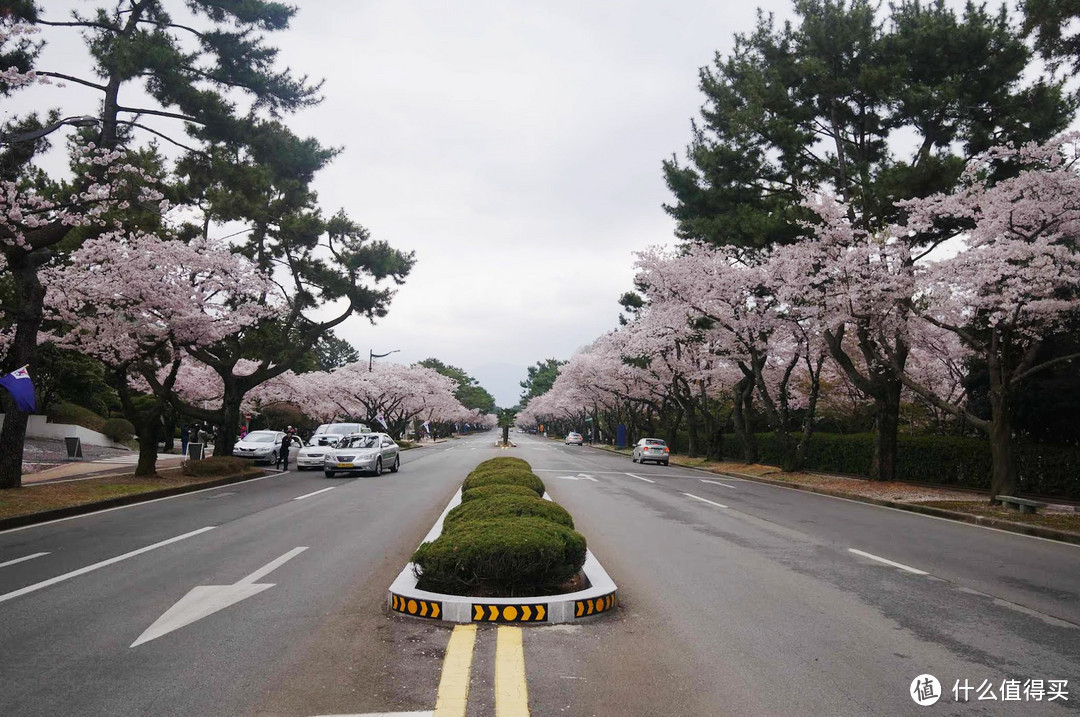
x,y
268,597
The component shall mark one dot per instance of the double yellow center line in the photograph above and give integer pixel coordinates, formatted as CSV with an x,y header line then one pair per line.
x,y
511,692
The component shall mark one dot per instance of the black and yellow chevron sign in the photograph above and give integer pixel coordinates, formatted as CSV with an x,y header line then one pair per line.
x,y
584,608
509,613
416,608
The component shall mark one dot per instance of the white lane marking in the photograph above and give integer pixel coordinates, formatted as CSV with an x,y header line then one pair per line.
x,y
315,493
102,564
205,600
579,476
908,568
640,478
691,495
20,560
716,483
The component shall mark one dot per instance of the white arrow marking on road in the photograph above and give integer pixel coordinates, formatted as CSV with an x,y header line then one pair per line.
x,y
579,476
205,600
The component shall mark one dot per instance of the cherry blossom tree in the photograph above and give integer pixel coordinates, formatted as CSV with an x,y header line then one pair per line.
x,y
139,303
1015,283
739,312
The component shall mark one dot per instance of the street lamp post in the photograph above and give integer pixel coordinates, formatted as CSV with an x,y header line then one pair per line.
x,y
372,356
81,121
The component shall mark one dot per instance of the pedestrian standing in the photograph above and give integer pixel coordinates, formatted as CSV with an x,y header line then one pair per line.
x,y
286,441
185,433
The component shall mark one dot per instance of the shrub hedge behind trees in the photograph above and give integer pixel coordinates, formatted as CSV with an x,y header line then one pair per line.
x,y
504,539
1048,471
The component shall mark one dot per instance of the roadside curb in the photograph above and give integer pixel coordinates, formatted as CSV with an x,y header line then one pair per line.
x,y
21,521
600,597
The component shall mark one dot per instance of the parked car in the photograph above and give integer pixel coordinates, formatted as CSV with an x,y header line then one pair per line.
x,y
574,439
362,453
326,431
651,449
311,456
264,446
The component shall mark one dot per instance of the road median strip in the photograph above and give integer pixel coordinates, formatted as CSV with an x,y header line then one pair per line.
x,y
404,598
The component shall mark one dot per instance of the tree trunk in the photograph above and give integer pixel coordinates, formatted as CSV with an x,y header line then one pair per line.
x,y
11,443
692,430
148,441
228,427
1003,477
744,430
30,298
886,424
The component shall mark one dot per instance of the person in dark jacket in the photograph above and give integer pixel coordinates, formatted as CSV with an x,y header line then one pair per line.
x,y
286,441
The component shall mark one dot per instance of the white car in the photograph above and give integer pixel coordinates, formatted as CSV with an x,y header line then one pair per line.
x,y
575,439
651,449
264,446
362,453
311,456
328,432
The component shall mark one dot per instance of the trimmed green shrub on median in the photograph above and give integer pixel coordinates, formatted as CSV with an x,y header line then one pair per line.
x,y
505,476
503,540
486,491
501,557
507,506
503,462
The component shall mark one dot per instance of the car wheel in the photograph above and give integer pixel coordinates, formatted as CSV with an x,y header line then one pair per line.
x,y
633,459
397,464
665,463
378,466
329,474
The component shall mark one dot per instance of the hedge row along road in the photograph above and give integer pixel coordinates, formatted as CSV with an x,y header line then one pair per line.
x,y
734,598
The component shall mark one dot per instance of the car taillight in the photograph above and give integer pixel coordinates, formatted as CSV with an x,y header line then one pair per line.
x,y
666,449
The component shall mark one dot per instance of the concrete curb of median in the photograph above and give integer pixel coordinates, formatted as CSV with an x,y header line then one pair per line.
x,y
21,521
600,597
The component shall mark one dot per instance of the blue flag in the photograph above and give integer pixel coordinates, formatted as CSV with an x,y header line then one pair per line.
x,y
20,386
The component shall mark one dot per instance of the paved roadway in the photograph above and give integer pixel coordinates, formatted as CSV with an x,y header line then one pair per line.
x,y
736,598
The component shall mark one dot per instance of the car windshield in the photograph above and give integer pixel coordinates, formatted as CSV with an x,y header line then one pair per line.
x,y
260,438
341,430
360,442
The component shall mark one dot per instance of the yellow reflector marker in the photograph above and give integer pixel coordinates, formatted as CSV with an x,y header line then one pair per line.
x,y
453,698
511,692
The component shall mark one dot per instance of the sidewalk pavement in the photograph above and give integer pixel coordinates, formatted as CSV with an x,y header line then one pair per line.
x,y
116,465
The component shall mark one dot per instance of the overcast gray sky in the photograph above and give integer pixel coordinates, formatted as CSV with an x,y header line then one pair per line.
x,y
515,147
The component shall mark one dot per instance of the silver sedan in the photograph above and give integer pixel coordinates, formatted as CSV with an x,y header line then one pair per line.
x,y
651,449
362,453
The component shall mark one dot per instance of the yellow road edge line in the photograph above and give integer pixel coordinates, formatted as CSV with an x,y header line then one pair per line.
x,y
511,692
453,696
